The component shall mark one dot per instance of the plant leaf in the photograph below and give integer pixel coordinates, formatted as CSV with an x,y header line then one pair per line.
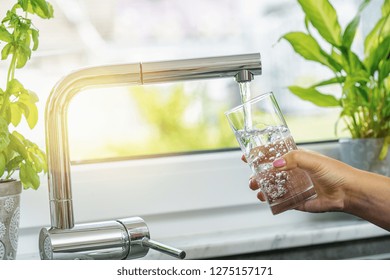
x,y
17,143
386,8
37,157
306,46
337,57
376,35
357,81
314,96
29,158
350,31
323,17
41,8
350,61
23,4
41,154
23,54
5,52
25,103
2,164
32,115
4,34
358,76
333,63
35,36
14,164
28,176
16,88
335,80
382,52
4,134
33,96
16,114
384,71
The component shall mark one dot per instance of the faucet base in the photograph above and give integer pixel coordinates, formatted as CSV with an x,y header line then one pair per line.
x,y
121,239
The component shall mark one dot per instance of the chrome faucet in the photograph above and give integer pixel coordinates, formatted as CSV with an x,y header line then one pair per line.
x,y
124,238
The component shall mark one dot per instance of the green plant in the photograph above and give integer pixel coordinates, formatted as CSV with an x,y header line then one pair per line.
x,y
173,124
20,38
364,81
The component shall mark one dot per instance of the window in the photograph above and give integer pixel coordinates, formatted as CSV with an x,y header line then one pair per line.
x,y
175,117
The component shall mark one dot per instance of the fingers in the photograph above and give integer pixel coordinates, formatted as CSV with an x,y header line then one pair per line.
x,y
287,161
279,163
253,185
306,160
261,196
295,158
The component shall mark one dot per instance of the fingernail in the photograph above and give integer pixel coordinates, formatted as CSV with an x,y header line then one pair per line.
x,y
280,162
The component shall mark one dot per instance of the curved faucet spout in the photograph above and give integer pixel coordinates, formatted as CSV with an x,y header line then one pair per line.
x,y
60,193
57,149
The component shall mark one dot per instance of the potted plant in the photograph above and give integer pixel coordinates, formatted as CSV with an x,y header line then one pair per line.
x,y
364,80
18,37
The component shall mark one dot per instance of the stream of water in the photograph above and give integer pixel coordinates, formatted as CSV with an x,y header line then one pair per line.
x,y
245,94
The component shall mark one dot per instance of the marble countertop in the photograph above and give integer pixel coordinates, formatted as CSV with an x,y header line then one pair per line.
x,y
224,232
329,228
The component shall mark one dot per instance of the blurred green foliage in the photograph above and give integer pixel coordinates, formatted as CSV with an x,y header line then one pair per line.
x,y
178,120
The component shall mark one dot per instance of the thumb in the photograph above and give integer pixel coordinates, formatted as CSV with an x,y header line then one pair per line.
x,y
303,159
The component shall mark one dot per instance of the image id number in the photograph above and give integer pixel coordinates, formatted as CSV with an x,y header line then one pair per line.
x,y
244,270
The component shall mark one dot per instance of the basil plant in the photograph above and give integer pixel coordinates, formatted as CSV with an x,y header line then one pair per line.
x,y
18,38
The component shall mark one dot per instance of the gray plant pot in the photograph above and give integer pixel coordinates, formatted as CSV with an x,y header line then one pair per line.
x,y
9,218
364,154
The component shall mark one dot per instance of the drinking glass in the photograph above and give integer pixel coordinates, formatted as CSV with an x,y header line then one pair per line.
x,y
263,135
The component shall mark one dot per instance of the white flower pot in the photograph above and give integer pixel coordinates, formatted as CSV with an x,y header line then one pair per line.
x,y
364,154
9,218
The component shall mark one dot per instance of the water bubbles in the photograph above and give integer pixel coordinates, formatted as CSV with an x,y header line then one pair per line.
x,y
263,147
262,181
273,183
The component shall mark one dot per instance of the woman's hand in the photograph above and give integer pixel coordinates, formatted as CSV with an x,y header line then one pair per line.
x,y
328,175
